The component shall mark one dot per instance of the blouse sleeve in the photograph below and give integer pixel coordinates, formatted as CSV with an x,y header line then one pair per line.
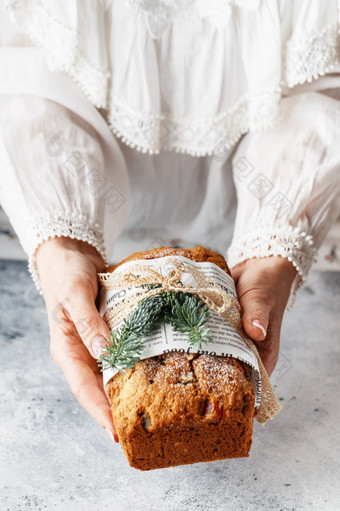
x,y
287,181
57,176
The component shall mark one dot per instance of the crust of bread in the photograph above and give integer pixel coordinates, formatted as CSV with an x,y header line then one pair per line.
x,y
180,408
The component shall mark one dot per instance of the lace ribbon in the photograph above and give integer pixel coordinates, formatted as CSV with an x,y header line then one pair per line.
x,y
135,280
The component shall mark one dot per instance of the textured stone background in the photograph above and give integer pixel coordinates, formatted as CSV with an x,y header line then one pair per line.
x,y
53,455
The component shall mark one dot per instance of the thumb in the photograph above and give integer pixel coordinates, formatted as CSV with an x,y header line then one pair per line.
x,y
255,317
90,326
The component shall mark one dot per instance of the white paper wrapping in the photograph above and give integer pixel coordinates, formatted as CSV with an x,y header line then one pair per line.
x,y
226,341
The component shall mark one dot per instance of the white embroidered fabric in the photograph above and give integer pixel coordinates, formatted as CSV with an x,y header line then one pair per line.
x,y
287,157
62,182
154,61
161,14
275,171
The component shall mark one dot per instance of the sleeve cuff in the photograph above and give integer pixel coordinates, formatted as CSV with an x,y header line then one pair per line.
x,y
70,225
289,242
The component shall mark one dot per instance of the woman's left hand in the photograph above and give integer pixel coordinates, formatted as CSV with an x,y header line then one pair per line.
x,y
263,287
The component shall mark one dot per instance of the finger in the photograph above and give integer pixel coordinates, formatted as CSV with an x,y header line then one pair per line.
x,y
90,326
87,387
268,356
270,347
255,317
83,375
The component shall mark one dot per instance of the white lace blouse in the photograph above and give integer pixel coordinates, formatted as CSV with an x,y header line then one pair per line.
x,y
150,122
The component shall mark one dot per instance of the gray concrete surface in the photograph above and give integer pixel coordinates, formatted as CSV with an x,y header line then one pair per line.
x,y
53,456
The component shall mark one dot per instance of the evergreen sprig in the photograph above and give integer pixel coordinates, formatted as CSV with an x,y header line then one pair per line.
x,y
185,312
125,344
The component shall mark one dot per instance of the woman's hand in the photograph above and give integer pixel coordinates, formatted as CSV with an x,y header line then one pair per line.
x,y
263,287
68,273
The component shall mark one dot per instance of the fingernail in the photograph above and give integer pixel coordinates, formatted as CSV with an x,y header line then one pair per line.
x,y
261,327
113,437
97,346
109,432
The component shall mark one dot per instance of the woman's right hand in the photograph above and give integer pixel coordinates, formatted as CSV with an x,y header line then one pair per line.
x,y
68,274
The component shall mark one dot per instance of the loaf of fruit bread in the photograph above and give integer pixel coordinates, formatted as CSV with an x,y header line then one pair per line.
x,y
179,408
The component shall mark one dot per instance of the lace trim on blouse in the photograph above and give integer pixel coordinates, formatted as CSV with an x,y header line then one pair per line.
x,y
287,241
61,46
308,60
197,137
68,224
